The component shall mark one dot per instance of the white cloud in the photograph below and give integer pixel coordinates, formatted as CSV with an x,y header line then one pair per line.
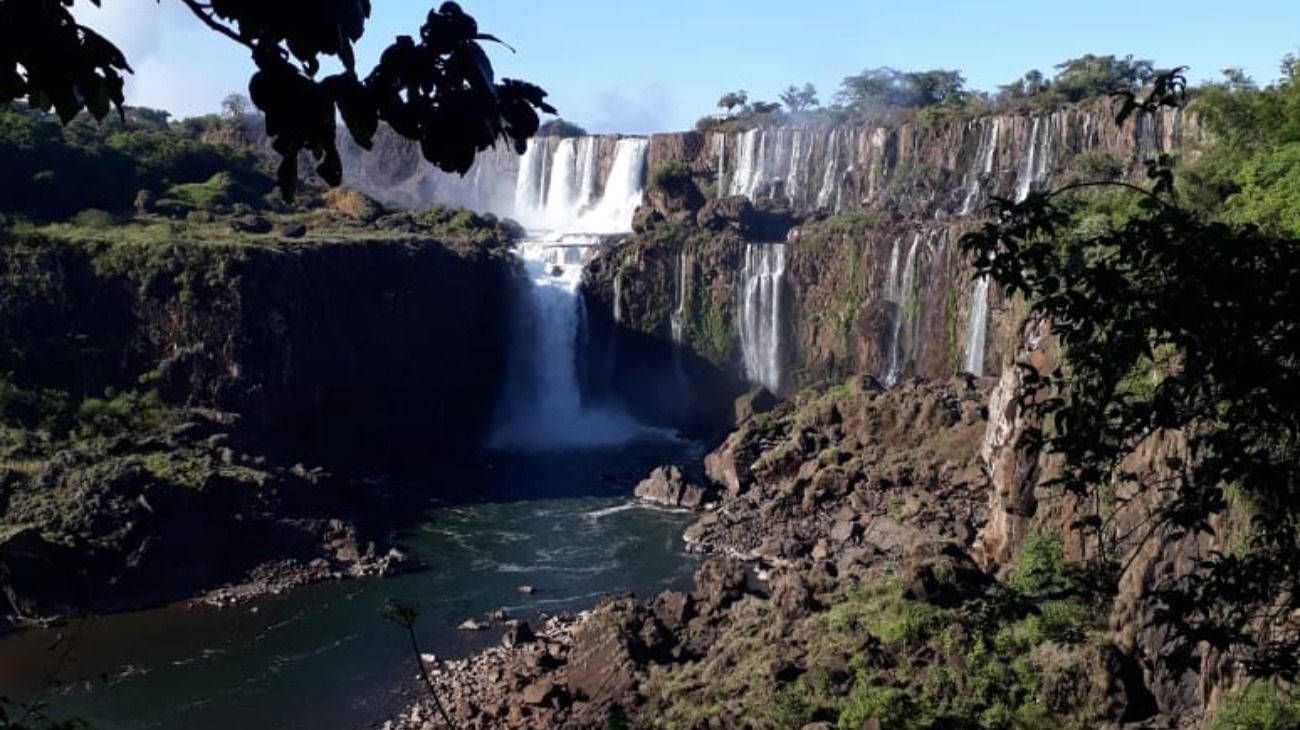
x,y
167,49
138,27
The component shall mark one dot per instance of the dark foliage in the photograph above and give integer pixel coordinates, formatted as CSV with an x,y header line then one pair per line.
x,y
1173,323
438,89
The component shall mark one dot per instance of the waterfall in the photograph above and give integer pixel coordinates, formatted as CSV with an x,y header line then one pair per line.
x,y
977,332
749,160
827,192
982,165
793,182
624,191
1025,180
557,186
901,291
678,317
722,164
530,185
618,298
761,300
542,406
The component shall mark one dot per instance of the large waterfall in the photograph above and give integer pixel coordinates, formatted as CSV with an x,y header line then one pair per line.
x,y
761,308
556,197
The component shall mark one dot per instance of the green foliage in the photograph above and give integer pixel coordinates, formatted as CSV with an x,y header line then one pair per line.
x,y
1172,322
1091,76
884,88
1269,193
799,100
58,172
931,666
94,218
1259,706
671,177
436,87
560,128
1040,570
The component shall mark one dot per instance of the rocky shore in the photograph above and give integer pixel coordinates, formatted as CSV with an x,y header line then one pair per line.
x,y
138,521
824,504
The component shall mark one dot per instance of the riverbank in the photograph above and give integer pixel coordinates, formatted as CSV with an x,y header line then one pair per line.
x,y
837,489
844,588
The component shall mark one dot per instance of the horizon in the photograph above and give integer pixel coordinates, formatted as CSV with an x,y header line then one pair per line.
x,y
174,56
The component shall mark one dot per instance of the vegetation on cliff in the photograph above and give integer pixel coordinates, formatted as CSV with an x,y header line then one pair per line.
x,y
1178,322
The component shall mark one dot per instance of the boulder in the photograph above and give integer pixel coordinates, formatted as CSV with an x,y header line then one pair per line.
x,y
722,468
517,635
664,486
718,584
754,403
293,230
250,223
539,692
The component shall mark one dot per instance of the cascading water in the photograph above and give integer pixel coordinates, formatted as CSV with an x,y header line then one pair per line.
x,y
827,194
982,166
1025,180
542,406
901,292
678,317
761,304
977,331
749,162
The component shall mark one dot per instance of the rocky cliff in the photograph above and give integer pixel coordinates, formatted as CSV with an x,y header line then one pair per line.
x,y
858,227
361,352
160,397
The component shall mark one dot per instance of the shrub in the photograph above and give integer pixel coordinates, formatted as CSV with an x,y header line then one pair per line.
x,y
352,203
1260,706
1040,570
94,218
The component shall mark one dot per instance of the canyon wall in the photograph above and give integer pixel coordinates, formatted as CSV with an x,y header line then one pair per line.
x,y
349,354
871,279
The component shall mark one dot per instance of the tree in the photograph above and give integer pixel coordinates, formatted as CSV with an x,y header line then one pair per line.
x,y
764,107
733,99
800,100
1171,322
560,128
1090,76
890,88
235,107
438,88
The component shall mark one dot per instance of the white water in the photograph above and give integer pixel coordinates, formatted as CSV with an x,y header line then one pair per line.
x,y
624,191
977,331
542,406
827,193
900,292
749,162
982,165
678,317
761,304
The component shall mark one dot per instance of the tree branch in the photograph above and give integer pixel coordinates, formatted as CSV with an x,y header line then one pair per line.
x,y
198,9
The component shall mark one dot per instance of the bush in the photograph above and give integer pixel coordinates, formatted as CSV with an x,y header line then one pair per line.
x,y
353,204
670,177
1260,706
1040,570
94,218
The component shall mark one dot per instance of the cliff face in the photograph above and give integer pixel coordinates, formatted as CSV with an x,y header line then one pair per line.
x,y
352,354
880,289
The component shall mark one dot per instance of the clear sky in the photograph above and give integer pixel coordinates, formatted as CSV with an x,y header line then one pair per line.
x,y
636,67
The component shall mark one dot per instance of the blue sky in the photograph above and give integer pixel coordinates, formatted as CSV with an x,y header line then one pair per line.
x,y
636,67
